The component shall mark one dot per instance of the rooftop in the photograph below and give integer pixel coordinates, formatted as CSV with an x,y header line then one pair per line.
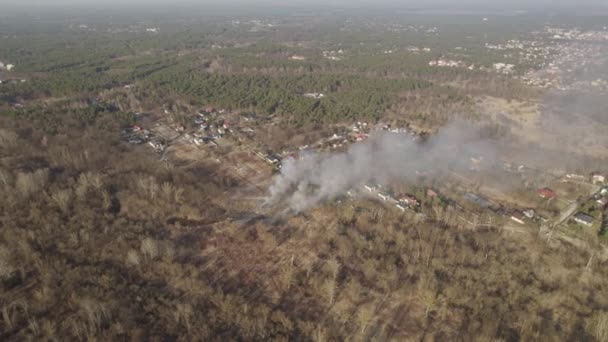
x,y
584,218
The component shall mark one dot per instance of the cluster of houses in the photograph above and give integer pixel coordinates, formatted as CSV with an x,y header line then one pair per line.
x,y
211,126
594,177
333,55
576,34
504,68
396,27
401,202
520,216
560,58
12,81
415,49
449,63
601,198
137,135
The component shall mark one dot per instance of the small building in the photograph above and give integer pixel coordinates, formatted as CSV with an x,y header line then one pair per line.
x,y
546,193
598,178
273,158
316,96
158,146
584,219
529,213
602,202
518,217
408,200
574,176
135,141
431,193
400,207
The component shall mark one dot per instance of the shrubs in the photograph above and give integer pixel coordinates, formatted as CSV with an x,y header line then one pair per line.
x,y
28,183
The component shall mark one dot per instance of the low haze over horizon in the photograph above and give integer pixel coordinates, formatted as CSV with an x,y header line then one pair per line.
x,y
333,3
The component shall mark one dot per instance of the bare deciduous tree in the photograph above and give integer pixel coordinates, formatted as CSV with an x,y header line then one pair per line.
x,y
149,248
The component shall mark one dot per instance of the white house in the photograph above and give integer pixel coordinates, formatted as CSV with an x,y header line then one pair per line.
x,y
598,178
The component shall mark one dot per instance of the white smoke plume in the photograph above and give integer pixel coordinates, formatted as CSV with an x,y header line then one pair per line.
x,y
305,182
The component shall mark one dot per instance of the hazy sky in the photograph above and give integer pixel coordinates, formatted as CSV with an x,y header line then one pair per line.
x,y
345,3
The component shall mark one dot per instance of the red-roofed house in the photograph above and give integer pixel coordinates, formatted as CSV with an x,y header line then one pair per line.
x,y
408,200
546,193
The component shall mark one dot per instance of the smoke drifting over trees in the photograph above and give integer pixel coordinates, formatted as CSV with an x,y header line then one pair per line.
x,y
305,182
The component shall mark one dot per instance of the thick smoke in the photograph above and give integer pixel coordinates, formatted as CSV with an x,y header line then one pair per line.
x,y
305,182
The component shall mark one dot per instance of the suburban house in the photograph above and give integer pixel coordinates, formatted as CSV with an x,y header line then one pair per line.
x,y
383,196
518,217
546,193
597,178
584,219
408,200
576,177
370,188
602,202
